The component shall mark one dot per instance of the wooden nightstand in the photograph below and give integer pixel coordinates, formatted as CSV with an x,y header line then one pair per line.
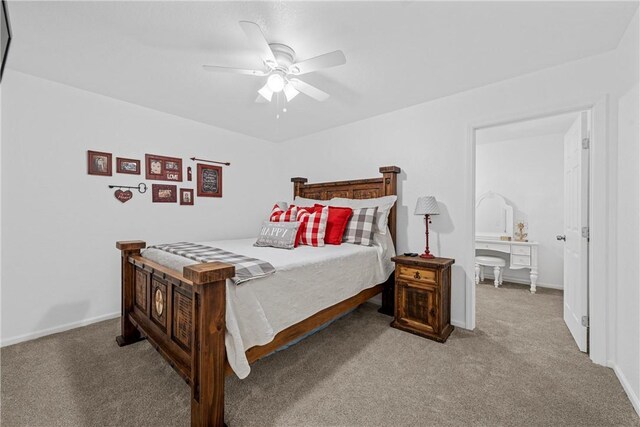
x,y
423,296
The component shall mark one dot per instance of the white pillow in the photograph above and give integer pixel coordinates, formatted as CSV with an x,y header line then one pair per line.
x,y
302,201
384,205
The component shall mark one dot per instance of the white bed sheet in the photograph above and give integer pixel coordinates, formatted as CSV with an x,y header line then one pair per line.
x,y
307,280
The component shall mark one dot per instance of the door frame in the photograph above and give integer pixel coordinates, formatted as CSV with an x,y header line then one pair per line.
x,y
600,293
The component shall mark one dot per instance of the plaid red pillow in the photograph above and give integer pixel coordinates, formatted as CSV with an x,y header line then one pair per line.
x,y
313,224
278,215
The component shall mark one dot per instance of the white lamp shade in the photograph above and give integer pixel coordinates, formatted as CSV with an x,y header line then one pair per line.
x,y
427,205
266,93
290,92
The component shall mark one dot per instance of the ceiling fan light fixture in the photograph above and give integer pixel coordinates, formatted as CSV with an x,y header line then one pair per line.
x,y
290,92
275,82
266,92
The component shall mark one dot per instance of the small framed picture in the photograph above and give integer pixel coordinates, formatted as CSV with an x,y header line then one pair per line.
x,y
186,196
131,166
163,168
98,163
209,181
164,193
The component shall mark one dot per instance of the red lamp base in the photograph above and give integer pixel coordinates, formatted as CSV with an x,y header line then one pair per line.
x,y
427,256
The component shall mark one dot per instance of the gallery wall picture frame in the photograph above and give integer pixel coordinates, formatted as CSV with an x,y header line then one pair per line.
x,y
6,35
130,166
209,181
99,163
186,196
161,193
163,168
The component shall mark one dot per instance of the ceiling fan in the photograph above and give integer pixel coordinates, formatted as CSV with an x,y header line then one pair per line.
x,y
280,67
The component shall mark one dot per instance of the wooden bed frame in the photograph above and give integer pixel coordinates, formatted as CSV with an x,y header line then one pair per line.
x,y
183,315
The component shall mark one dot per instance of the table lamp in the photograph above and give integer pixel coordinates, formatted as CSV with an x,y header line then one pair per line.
x,y
427,205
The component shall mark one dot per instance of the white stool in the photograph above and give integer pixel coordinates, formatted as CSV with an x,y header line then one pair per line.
x,y
490,261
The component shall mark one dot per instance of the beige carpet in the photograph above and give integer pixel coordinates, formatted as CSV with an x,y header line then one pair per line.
x,y
520,367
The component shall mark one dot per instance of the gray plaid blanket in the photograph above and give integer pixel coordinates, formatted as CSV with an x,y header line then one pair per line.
x,y
246,268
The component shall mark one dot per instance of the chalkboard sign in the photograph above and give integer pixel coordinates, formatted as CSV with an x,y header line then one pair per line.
x,y
209,181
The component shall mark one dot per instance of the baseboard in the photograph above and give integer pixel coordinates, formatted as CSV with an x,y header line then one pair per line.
x,y
459,324
633,397
57,329
524,282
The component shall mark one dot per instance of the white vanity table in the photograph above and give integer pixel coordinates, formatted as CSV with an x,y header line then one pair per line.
x,y
494,226
521,255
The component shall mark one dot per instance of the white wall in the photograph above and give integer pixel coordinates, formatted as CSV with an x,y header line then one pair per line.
x,y
431,143
528,172
627,363
60,264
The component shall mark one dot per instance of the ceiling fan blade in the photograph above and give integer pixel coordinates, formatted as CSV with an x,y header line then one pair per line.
x,y
216,68
258,41
309,90
332,59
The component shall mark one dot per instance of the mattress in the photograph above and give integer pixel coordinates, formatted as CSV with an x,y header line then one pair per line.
x,y
307,280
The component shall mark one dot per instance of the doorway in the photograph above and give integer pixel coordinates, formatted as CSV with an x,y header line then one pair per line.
x,y
532,212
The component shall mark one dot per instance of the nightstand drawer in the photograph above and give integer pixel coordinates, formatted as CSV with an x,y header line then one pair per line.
x,y
520,260
520,250
417,274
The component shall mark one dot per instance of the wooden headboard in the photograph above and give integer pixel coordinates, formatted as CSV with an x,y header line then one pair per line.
x,y
386,185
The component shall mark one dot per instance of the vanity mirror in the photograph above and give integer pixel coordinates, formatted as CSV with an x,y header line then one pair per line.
x,y
494,217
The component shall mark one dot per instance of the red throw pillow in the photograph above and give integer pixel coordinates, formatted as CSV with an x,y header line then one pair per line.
x,y
336,224
313,224
278,215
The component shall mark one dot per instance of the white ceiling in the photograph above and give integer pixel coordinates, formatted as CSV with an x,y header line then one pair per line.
x,y
527,129
398,53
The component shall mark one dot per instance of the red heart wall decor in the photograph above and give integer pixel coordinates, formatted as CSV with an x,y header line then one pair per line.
x,y
123,196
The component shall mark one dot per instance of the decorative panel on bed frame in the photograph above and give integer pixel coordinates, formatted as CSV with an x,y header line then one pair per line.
x,y
182,315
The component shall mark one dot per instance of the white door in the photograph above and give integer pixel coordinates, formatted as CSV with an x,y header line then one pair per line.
x,y
576,220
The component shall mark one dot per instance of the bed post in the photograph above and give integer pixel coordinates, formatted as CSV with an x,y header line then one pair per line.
x,y
208,353
129,334
390,187
298,182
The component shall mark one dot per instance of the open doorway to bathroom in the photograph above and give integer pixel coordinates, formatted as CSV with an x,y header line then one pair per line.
x,y
531,224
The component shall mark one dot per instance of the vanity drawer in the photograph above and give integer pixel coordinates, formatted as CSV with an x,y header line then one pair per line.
x,y
493,247
520,250
520,260
417,274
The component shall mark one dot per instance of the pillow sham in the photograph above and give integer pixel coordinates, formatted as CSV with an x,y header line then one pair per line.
x,y
280,215
384,205
313,225
361,227
281,235
336,224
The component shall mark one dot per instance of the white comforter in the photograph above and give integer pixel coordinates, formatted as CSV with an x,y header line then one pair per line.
x,y
307,280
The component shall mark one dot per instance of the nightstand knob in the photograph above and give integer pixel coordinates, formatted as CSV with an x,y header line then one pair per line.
x,y
417,275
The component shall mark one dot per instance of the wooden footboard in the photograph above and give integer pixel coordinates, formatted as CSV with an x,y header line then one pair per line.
x,y
183,317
